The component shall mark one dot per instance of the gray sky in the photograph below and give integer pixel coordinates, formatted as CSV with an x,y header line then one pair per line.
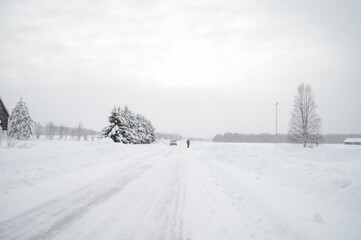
x,y
197,68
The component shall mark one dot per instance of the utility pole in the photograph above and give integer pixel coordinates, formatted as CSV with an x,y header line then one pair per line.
x,y
276,123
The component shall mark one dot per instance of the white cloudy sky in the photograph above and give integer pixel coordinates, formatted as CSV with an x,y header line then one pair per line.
x,y
197,68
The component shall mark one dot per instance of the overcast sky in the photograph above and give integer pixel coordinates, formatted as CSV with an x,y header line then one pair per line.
x,y
197,68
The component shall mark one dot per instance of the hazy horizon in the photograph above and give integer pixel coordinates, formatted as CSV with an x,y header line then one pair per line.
x,y
195,68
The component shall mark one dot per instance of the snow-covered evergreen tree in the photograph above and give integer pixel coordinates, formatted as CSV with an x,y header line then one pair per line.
x,y
141,128
145,129
129,128
150,132
20,122
112,130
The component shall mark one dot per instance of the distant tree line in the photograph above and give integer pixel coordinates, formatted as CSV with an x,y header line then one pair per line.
x,y
61,132
337,138
281,138
250,138
169,136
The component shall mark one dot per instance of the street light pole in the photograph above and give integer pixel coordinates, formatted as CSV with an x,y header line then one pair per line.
x,y
276,122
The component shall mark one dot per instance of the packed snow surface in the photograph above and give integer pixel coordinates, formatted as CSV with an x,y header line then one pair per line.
x,y
101,190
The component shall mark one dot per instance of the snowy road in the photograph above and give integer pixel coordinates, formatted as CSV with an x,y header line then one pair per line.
x,y
210,191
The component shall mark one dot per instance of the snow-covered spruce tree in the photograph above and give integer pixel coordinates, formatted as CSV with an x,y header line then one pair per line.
x,y
112,130
151,132
147,130
305,125
20,122
128,128
141,129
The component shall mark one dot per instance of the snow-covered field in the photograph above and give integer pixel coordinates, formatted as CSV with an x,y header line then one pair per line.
x,y
101,190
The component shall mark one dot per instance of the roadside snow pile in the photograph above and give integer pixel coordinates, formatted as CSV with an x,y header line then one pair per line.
x,y
332,171
105,141
45,160
162,141
50,169
294,183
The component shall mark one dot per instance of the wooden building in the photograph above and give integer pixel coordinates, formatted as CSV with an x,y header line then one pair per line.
x,y
352,141
4,115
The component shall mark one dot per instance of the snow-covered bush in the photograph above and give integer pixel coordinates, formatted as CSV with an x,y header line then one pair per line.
x,y
129,128
20,122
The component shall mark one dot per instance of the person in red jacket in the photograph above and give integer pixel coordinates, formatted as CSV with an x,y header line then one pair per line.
x,y
188,142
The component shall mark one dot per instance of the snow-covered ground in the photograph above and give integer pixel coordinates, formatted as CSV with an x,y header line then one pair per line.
x,y
101,190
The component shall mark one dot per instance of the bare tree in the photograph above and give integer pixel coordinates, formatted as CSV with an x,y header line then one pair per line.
x,y
305,124
66,132
38,130
50,130
61,131
92,137
85,134
72,132
79,130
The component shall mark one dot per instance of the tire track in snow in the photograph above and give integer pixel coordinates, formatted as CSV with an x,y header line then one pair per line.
x,y
173,220
48,219
160,214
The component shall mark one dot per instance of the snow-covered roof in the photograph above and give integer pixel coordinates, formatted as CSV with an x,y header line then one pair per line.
x,y
353,140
